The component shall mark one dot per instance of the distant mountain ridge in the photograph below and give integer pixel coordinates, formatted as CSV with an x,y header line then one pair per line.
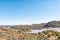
x,y
40,26
35,26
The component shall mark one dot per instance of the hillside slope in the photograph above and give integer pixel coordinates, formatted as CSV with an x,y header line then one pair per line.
x,y
15,34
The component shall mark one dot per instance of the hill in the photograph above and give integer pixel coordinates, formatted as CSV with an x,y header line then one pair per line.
x,y
15,34
52,24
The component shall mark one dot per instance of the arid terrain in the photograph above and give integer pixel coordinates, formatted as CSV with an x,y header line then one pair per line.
x,y
44,31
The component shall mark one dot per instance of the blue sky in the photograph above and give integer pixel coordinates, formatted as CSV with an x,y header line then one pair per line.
x,y
28,11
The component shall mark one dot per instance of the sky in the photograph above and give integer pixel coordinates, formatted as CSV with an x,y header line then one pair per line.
x,y
16,12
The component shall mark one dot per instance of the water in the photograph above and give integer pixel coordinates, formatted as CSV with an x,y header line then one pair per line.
x,y
40,30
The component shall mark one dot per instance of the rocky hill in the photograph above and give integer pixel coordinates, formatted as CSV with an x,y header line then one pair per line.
x,y
52,24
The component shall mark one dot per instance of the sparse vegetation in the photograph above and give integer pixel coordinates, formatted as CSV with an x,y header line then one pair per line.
x,y
19,32
10,34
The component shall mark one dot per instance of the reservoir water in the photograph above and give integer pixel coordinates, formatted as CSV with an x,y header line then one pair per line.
x,y
40,30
